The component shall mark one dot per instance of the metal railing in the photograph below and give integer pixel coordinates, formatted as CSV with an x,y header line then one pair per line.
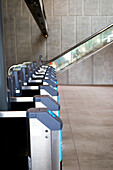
x,y
85,48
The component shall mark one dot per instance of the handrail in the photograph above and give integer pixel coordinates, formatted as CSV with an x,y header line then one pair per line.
x,y
80,43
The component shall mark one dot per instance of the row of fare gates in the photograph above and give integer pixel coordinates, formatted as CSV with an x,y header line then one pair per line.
x,y
31,129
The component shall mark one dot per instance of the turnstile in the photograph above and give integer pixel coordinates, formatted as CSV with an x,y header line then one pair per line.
x,y
14,144
30,140
45,146
37,86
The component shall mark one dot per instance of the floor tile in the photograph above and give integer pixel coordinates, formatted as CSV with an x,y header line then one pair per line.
x,y
87,114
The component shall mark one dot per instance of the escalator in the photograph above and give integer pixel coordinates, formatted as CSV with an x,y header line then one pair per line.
x,y
82,50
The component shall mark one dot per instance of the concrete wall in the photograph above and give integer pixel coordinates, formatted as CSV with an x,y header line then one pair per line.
x,y
97,69
70,21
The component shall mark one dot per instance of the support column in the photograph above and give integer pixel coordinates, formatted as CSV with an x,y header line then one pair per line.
x,y
3,88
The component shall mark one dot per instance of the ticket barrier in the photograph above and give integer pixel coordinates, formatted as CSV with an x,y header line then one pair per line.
x,y
42,82
46,76
24,81
37,80
40,73
44,101
38,101
11,84
27,101
48,151
32,89
48,102
18,82
15,151
32,85
30,140
43,71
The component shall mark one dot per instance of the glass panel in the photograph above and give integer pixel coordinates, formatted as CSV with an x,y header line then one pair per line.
x,y
84,50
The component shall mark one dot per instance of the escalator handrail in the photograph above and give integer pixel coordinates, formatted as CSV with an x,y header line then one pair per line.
x,y
78,44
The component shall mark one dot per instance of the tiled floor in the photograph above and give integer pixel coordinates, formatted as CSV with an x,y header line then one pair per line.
x,y
87,114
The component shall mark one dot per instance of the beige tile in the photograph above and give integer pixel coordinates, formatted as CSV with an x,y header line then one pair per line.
x,y
94,150
97,165
88,134
72,165
87,114
66,128
69,152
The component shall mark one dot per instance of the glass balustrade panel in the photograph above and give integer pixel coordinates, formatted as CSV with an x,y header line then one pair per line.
x,y
84,49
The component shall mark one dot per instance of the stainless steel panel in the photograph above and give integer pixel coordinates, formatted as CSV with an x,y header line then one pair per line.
x,y
43,66
38,73
37,76
10,114
55,150
42,69
21,99
34,81
40,137
45,83
30,87
39,105
46,78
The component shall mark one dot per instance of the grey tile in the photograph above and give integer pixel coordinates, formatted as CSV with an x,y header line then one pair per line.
x,y
104,63
38,42
106,7
54,38
62,78
14,8
48,5
83,27
25,10
68,32
4,8
81,73
98,22
91,7
109,20
9,41
23,39
75,7
61,7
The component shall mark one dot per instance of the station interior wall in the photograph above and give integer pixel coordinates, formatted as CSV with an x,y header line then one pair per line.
x,y
69,22
95,70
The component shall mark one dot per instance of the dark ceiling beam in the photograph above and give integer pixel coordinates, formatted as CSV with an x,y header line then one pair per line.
x,y
37,9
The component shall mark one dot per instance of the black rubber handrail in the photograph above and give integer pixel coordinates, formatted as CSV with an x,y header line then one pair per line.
x,y
80,43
